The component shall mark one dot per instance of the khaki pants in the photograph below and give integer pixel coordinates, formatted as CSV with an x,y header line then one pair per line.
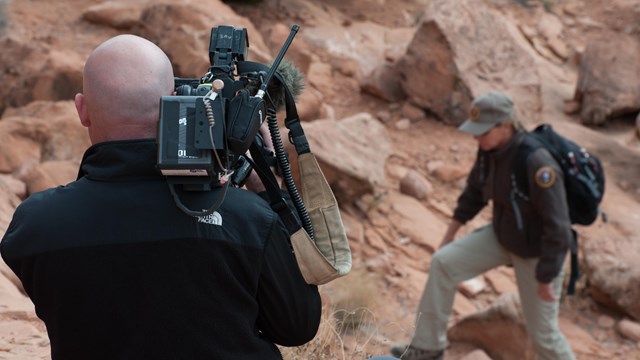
x,y
470,256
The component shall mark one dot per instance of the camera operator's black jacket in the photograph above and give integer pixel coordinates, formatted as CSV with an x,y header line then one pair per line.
x,y
117,271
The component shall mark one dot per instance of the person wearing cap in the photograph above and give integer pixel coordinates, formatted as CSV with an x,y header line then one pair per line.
x,y
532,236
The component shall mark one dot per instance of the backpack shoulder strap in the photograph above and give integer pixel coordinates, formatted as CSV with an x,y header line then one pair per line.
x,y
519,175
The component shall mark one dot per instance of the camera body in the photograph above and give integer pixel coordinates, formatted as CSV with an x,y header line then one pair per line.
x,y
210,122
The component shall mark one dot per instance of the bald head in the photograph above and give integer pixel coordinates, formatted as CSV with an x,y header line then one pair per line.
x,y
123,81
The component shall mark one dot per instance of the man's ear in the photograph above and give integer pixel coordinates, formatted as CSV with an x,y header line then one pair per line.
x,y
81,108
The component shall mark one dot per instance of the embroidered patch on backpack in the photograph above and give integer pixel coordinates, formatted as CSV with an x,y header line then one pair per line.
x,y
545,177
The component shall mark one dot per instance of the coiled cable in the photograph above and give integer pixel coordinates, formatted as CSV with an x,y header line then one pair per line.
x,y
285,168
226,173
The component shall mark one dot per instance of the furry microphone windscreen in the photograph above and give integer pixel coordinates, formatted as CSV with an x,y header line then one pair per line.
x,y
293,79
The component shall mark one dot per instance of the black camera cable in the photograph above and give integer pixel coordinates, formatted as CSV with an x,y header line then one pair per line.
x,y
285,168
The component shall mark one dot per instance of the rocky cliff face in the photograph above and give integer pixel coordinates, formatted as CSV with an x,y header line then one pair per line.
x,y
386,84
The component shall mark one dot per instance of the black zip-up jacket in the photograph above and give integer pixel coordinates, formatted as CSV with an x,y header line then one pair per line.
x,y
537,227
117,271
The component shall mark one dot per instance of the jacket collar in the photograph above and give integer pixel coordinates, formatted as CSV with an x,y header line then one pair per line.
x,y
513,143
119,160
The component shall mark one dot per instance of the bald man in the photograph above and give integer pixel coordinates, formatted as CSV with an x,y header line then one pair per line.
x,y
117,271
122,92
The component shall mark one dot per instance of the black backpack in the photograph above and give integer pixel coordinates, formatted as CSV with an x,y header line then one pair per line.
x,y
583,173
583,180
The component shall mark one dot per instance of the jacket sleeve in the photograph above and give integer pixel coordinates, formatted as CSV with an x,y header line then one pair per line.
x,y
471,201
548,198
290,309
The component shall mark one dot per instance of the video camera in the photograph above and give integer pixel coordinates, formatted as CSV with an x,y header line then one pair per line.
x,y
206,128
218,117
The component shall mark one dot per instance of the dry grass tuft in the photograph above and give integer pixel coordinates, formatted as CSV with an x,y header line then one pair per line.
x,y
352,297
348,324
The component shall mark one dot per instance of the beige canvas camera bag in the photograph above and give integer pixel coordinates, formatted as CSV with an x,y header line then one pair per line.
x,y
327,256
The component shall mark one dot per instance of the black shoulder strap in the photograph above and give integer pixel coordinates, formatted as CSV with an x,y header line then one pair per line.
x,y
528,145
575,269
292,122
483,167
277,202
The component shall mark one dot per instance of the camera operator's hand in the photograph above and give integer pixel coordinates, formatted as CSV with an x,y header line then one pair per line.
x,y
253,182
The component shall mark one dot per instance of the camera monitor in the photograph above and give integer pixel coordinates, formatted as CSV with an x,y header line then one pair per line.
x,y
185,145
